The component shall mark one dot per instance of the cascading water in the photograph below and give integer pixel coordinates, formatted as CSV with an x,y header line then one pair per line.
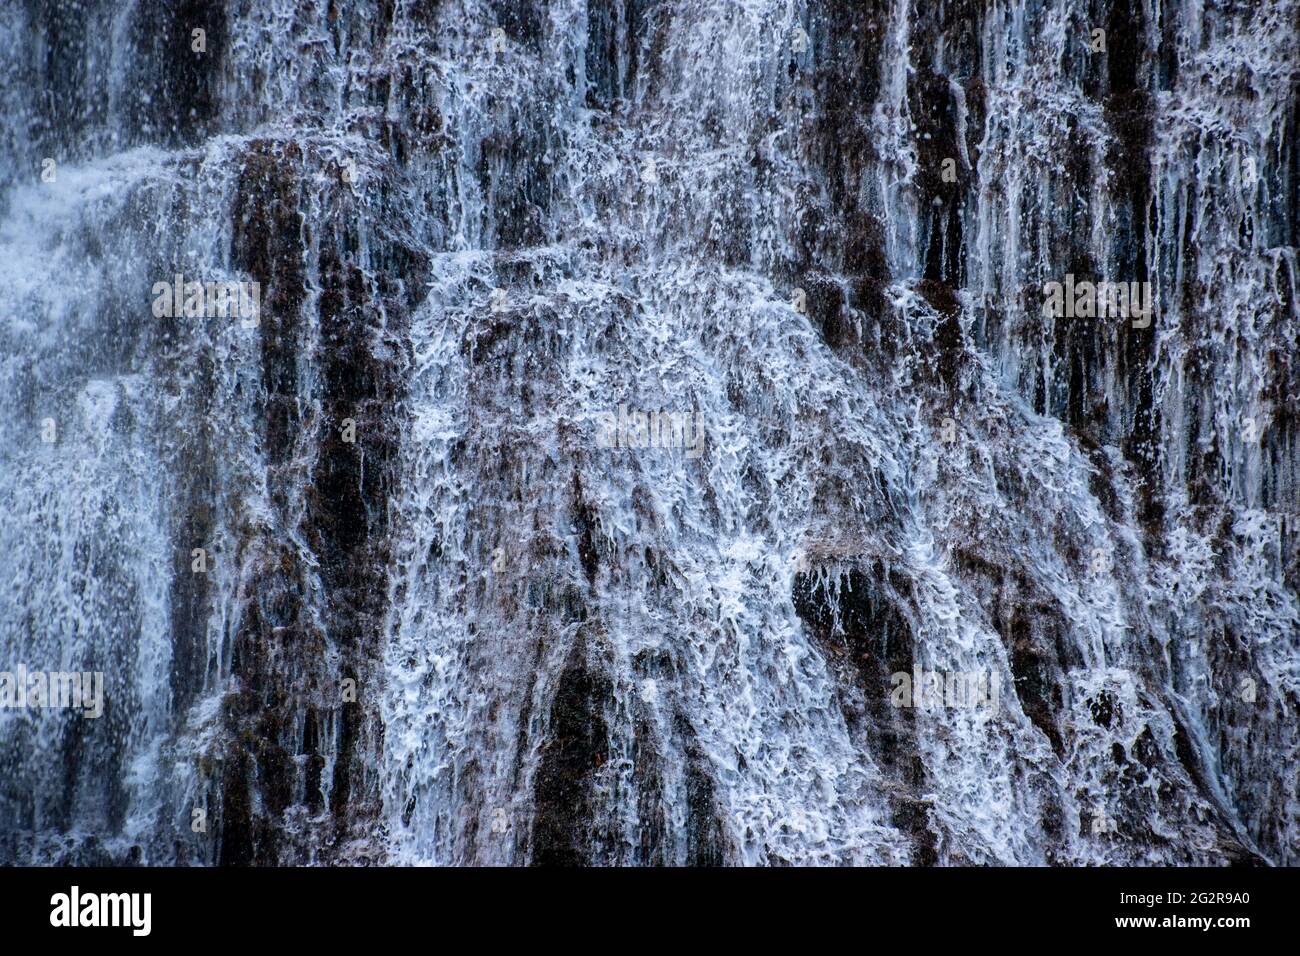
x,y
375,577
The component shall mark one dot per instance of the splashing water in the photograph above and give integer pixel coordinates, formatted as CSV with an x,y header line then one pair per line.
x,y
436,619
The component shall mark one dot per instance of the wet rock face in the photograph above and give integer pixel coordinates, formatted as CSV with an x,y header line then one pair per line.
x,y
862,623
576,747
650,431
615,29
177,106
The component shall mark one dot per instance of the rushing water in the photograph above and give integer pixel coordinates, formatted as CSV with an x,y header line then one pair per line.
x,y
442,613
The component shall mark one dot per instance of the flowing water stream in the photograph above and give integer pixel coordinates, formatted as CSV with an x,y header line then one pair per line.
x,y
386,574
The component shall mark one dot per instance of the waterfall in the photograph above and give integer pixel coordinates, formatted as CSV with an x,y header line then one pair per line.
x,y
642,438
